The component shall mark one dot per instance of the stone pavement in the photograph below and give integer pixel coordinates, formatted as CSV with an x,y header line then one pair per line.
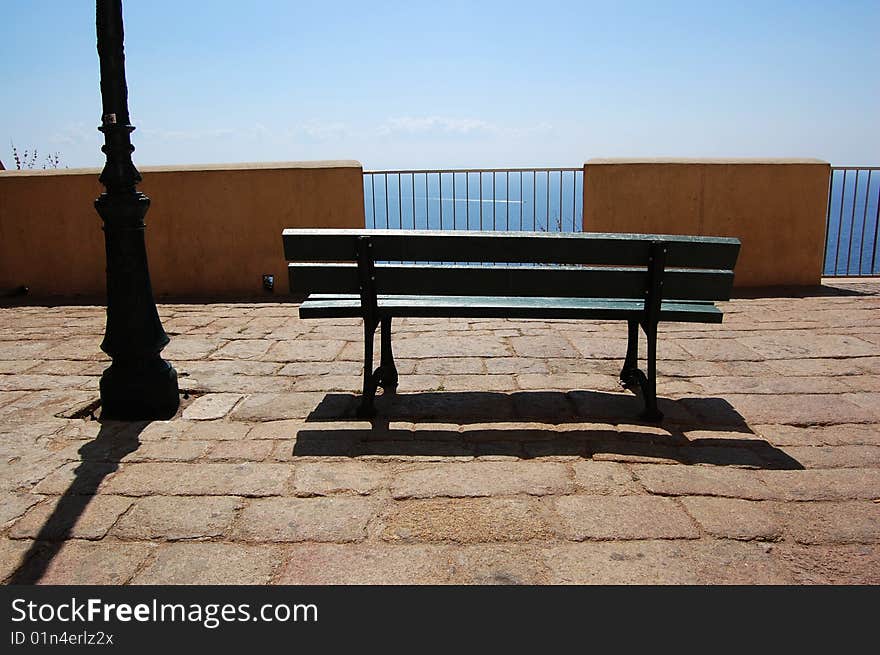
x,y
509,455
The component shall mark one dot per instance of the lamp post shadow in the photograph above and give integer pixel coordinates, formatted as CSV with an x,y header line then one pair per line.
x,y
99,458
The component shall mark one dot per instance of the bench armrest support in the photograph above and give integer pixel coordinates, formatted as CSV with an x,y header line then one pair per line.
x,y
367,279
654,293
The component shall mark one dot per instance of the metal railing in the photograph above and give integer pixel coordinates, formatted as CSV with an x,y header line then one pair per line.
x,y
851,240
551,200
530,199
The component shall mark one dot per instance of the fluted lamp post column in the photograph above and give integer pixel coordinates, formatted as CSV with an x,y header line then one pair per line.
x,y
139,384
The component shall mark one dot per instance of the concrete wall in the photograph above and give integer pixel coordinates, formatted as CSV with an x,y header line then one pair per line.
x,y
211,230
215,230
777,208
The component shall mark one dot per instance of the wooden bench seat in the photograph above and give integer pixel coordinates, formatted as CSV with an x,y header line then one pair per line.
x,y
600,309
379,275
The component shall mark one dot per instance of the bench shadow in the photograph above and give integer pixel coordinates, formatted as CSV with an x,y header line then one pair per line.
x,y
98,458
825,290
528,424
468,407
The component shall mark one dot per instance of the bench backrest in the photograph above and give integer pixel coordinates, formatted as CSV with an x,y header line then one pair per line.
x,y
593,265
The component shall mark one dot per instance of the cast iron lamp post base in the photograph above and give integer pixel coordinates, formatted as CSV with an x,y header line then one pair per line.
x,y
139,385
139,391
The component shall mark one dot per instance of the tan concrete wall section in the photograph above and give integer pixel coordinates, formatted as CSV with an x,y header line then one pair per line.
x,y
211,230
777,208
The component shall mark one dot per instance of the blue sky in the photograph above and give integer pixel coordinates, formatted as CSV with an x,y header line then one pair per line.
x,y
452,84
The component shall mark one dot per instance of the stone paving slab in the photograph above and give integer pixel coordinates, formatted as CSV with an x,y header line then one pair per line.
x,y
81,562
331,519
509,455
209,563
366,564
200,479
666,562
532,478
469,520
81,517
172,518
834,564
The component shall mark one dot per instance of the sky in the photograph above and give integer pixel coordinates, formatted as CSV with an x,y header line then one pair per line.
x,y
400,85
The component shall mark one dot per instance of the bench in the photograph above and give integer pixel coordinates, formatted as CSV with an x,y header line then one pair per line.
x,y
380,275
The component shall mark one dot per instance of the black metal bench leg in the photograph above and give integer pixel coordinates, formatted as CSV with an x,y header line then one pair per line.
x,y
628,374
388,374
367,408
649,388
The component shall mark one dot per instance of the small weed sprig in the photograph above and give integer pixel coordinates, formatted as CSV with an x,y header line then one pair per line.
x,y
27,159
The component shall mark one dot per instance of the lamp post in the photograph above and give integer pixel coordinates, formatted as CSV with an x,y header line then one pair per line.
x,y
139,384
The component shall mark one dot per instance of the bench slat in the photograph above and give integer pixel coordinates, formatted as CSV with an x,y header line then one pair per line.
x,y
521,247
573,281
348,305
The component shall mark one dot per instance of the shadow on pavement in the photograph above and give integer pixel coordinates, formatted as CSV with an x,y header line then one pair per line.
x,y
695,430
829,288
468,407
99,458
